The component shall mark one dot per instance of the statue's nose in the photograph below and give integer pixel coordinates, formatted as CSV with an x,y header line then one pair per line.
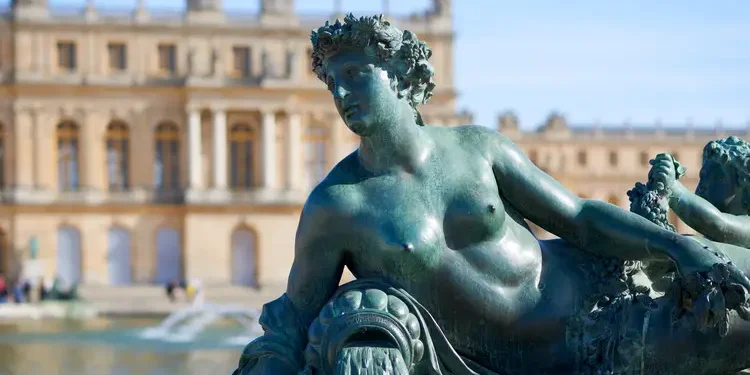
x,y
340,92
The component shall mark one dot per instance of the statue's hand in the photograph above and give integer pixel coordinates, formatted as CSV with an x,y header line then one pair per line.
x,y
665,170
712,286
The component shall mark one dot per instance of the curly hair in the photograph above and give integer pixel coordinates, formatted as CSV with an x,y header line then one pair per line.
x,y
732,153
400,53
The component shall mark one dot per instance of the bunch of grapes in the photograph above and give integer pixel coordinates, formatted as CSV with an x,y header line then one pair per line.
x,y
651,204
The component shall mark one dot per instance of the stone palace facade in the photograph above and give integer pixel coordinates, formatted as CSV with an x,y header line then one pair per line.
x,y
138,146
603,162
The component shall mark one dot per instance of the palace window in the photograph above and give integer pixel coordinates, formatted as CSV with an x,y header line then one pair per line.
x,y
316,154
582,158
613,158
167,58
117,57
242,138
644,158
68,151
167,161
117,156
241,56
66,56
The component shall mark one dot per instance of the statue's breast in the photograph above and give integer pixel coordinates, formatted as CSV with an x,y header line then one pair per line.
x,y
473,212
399,233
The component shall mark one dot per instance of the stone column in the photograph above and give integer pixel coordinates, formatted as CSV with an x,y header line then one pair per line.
x,y
38,140
92,158
220,149
40,60
269,149
293,151
23,148
195,170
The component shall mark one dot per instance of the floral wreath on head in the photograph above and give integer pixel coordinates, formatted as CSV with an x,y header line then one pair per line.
x,y
400,53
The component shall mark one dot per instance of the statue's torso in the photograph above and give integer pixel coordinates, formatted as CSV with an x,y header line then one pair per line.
x,y
446,236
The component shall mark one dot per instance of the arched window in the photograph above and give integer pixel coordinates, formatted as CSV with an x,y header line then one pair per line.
x,y
68,255
241,140
167,161
118,256
168,255
68,151
244,256
316,154
117,156
2,156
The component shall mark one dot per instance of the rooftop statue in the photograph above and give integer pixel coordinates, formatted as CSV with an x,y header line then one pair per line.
x,y
450,280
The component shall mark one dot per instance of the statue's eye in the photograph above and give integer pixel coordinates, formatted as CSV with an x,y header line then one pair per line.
x,y
352,71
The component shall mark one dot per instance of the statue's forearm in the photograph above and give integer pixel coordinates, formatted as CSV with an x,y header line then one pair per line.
x,y
695,211
705,218
611,231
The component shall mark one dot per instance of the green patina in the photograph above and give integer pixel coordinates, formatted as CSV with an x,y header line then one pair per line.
x,y
432,221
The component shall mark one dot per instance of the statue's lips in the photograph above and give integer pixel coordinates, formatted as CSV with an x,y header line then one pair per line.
x,y
350,110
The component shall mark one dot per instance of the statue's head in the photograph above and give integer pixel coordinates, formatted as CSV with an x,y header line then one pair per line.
x,y
373,70
725,175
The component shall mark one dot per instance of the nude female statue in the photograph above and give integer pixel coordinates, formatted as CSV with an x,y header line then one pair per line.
x,y
439,212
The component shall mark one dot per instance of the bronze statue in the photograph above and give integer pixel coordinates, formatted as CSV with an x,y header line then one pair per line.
x,y
720,206
450,278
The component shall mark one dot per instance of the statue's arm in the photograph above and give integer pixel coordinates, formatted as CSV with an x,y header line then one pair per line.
x,y
595,226
314,277
702,216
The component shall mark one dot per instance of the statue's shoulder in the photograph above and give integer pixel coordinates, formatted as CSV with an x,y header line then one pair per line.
x,y
334,194
477,137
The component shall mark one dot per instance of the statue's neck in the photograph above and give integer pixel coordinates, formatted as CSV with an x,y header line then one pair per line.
x,y
403,146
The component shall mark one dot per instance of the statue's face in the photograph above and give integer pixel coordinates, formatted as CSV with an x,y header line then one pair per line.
x,y
361,91
718,185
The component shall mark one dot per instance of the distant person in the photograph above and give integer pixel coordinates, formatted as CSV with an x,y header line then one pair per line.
x,y
18,293
170,287
3,290
26,290
45,287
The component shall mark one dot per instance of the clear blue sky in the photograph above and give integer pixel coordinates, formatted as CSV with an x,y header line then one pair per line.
x,y
635,60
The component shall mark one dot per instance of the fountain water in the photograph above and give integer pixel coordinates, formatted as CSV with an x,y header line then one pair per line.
x,y
185,325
